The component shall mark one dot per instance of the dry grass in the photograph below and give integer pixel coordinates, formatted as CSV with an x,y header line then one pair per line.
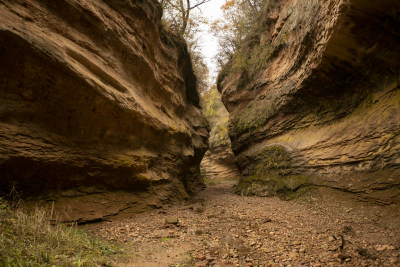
x,y
29,239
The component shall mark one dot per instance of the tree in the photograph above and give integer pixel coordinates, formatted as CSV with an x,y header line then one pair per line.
x,y
202,72
179,18
179,11
240,21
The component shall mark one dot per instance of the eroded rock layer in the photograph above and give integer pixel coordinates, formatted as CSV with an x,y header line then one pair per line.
x,y
218,165
319,99
98,106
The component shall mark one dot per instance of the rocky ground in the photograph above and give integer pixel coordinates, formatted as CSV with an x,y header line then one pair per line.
x,y
219,228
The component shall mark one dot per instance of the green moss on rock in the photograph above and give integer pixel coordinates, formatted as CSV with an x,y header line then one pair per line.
x,y
252,117
273,175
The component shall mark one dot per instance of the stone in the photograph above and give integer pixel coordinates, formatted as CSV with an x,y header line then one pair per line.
x,y
248,260
270,250
201,264
201,258
209,259
267,220
172,220
384,247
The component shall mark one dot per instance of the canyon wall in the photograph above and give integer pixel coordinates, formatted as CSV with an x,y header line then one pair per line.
x,y
99,111
318,101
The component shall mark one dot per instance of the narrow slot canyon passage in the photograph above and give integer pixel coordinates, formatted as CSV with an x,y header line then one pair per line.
x,y
218,164
172,133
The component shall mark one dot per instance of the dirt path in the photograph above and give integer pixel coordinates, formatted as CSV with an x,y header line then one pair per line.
x,y
224,229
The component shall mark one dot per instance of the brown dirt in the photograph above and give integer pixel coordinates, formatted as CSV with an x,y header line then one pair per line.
x,y
219,228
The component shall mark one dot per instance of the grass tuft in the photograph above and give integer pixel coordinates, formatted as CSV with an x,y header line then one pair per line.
x,y
29,239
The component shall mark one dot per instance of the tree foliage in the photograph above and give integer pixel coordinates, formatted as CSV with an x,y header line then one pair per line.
x,y
217,117
184,19
179,14
241,21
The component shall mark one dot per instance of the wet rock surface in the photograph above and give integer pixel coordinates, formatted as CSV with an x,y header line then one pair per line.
x,y
322,83
99,112
322,228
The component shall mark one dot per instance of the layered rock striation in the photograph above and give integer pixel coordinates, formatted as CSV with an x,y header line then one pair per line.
x,y
319,99
98,106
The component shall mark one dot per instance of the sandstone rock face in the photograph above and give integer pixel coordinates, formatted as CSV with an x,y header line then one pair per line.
x,y
98,106
218,165
320,101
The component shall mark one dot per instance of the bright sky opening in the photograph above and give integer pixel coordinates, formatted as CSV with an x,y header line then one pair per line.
x,y
209,44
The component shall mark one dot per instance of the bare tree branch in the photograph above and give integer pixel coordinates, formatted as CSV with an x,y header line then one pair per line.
x,y
200,3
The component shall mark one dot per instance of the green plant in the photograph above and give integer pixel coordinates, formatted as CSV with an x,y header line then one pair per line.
x,y
273,175
166,238
29,239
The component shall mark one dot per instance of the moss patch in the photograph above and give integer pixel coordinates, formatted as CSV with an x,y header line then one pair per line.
x,y
273,175
252,117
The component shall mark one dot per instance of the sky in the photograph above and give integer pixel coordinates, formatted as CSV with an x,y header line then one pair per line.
x,y
209,44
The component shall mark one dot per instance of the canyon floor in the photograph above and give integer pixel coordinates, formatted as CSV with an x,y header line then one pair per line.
x,y
219,228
